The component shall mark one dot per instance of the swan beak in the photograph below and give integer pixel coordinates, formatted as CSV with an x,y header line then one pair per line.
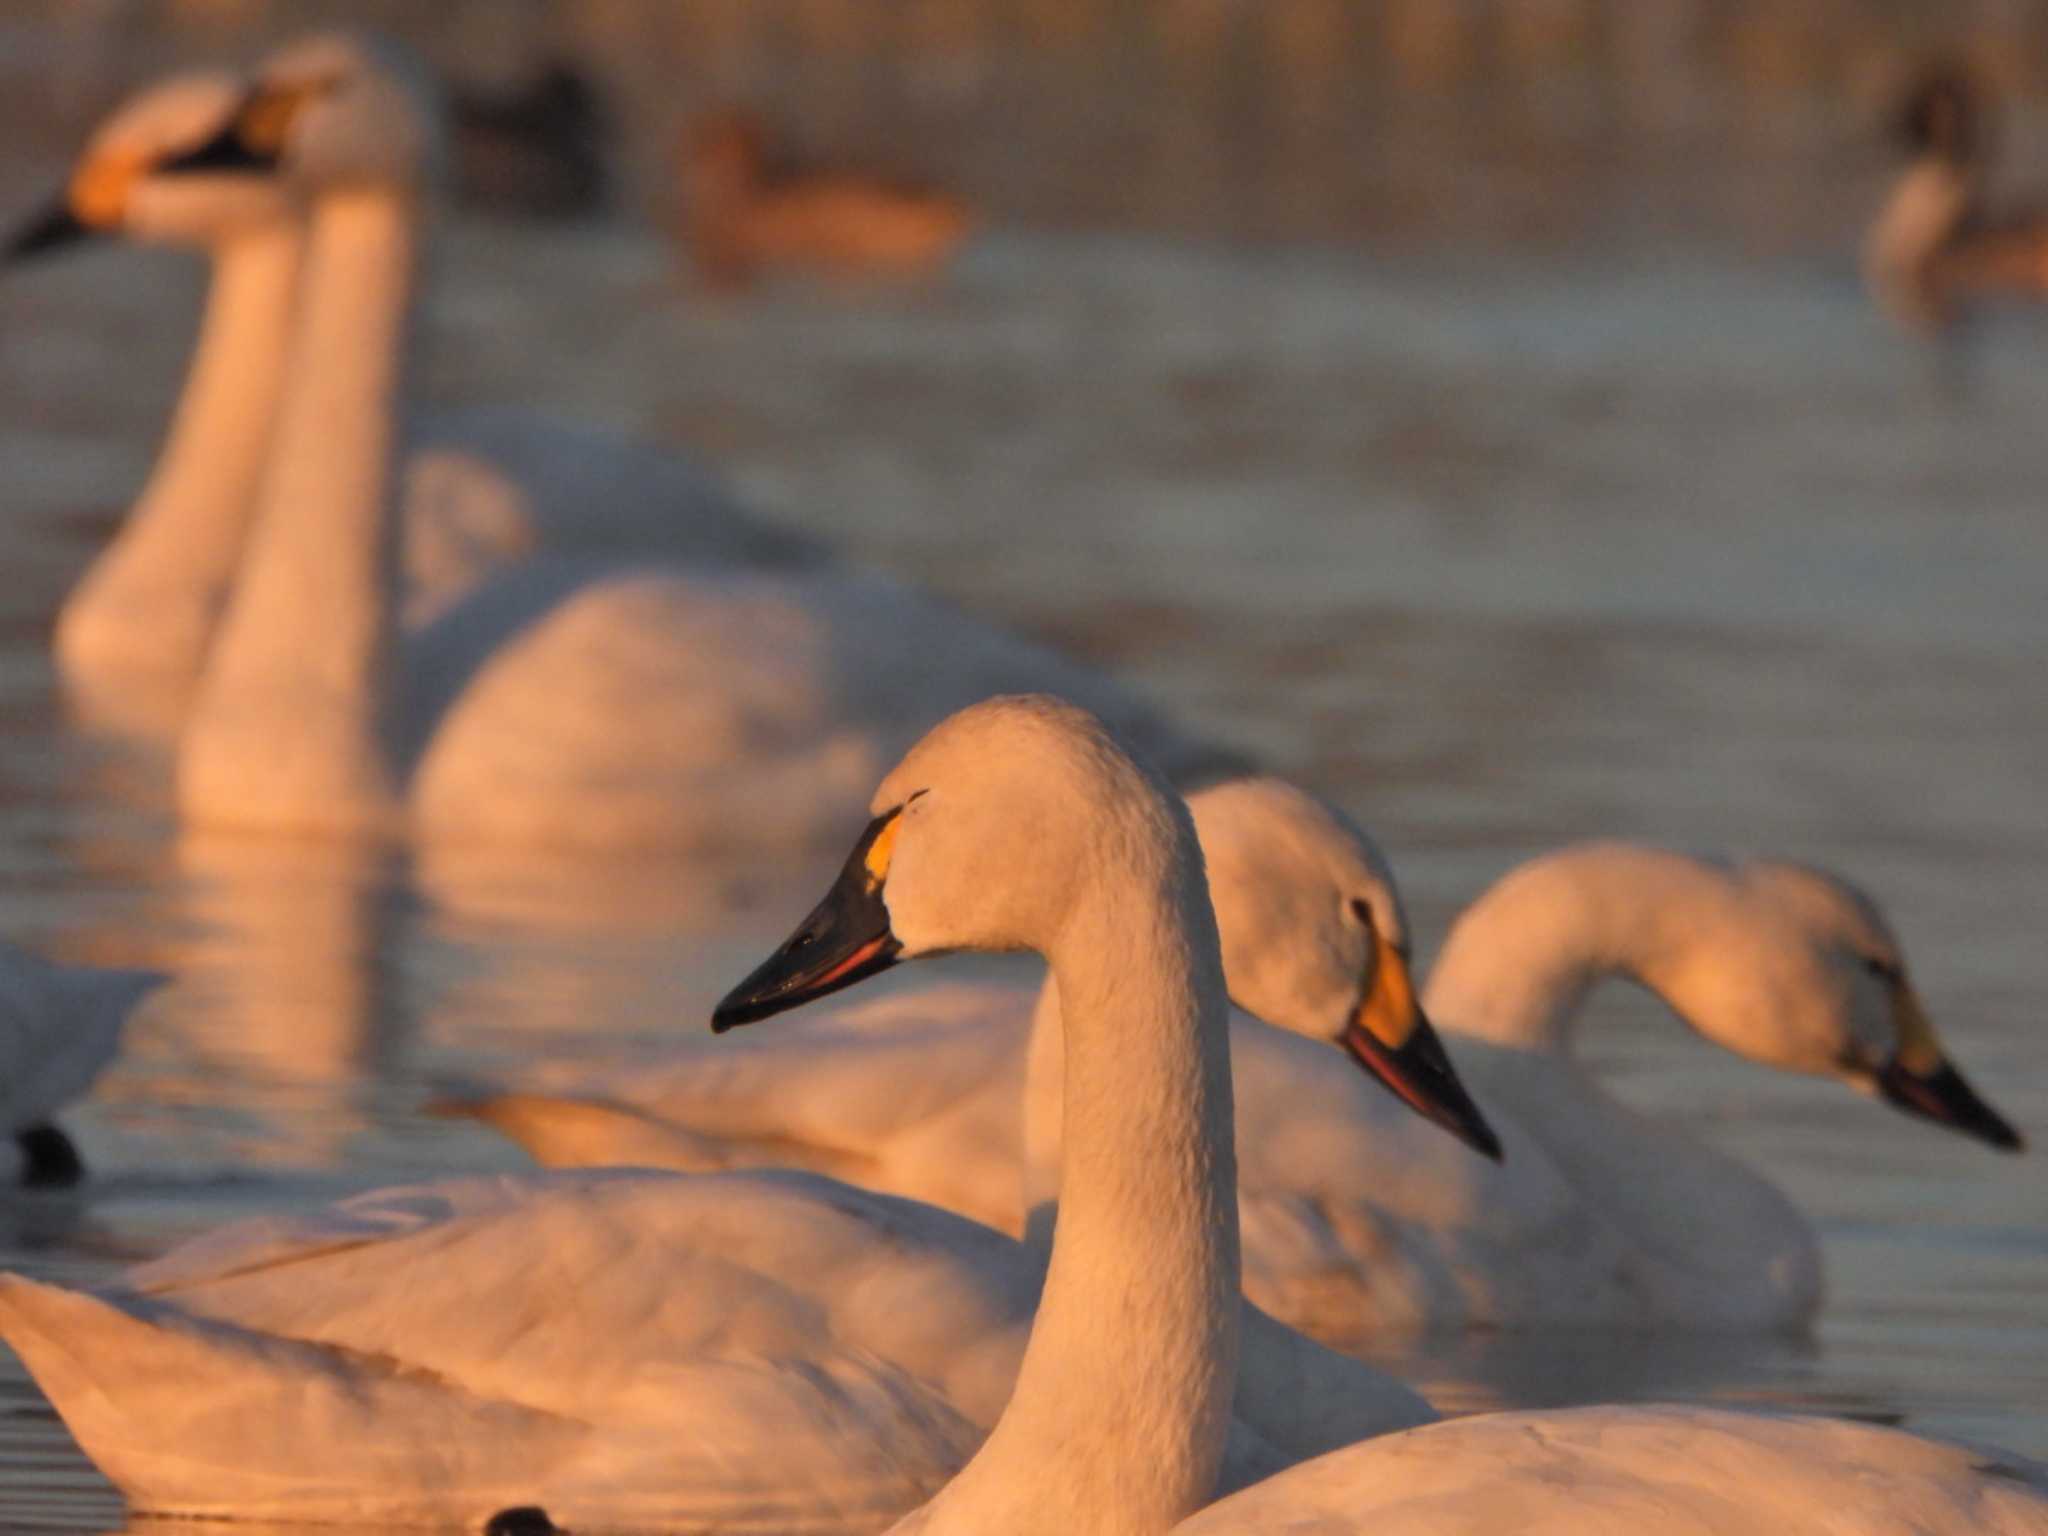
x,y
51,230
845,939
1394,1041
1920,1080
227,153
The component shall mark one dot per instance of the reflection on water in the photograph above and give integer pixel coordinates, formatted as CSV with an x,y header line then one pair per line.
x,y
1497,556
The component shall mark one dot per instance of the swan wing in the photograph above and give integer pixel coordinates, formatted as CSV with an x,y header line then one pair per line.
x,y
765,1351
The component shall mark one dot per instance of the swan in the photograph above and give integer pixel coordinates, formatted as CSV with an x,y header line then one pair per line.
x,y
1933,244
922,1095
478,487
59,1027
764,1351
1120,1414
554,702
1597,1218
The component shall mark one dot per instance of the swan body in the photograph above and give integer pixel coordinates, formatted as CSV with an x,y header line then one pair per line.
x,y
59,1027
476,488
764,1351
559,701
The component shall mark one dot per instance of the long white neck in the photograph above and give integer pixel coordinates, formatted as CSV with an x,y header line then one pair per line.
x,y
1927,207
148,607
1507,993
1519,961
292,711
1122,1403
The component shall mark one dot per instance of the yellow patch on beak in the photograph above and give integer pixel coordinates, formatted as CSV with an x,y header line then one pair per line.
x,y
880,850
1919,1049
99,188
1389,1011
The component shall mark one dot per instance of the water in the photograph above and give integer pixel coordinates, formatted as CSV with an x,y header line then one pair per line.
x,y
1497,553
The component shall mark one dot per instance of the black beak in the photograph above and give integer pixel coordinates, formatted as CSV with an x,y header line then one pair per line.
x,y
844,940
1943,1096
51,230
1420,1075
226,153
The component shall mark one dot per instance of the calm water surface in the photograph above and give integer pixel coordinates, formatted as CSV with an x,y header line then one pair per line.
x,y
1497,555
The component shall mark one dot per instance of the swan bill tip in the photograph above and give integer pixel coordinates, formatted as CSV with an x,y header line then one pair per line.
x,y
51,230
1419,1073
1943,1095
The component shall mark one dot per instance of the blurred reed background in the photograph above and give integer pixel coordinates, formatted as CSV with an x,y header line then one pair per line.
x,y
1388,120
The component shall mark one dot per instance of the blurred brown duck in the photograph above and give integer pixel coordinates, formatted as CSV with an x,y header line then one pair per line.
x,y
748,208
1934,246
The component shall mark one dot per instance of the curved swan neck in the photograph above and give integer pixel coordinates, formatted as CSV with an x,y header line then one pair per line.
x,y
298,673
1928,205
1123,1398
1520,960
152,600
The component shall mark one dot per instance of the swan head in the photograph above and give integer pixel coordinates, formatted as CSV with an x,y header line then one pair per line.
x,y
1824,988
1315,940
1944,114
989,835
331,113
133,180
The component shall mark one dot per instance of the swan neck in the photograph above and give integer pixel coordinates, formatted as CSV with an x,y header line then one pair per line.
x,y
167,574
1927,207
1122,1402
1520,961
303,654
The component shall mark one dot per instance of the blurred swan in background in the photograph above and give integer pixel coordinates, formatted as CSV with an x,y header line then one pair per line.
x,y
1936,244
747,210
1356,1219
762,1351
59,1027
477,487
554,702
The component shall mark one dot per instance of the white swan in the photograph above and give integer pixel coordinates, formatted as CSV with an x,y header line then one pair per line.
x,y
59,1027
478,488
553,703
737,1352
1597,1218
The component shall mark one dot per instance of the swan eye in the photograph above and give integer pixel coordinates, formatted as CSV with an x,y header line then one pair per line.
x,y
1884,970
1362,910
